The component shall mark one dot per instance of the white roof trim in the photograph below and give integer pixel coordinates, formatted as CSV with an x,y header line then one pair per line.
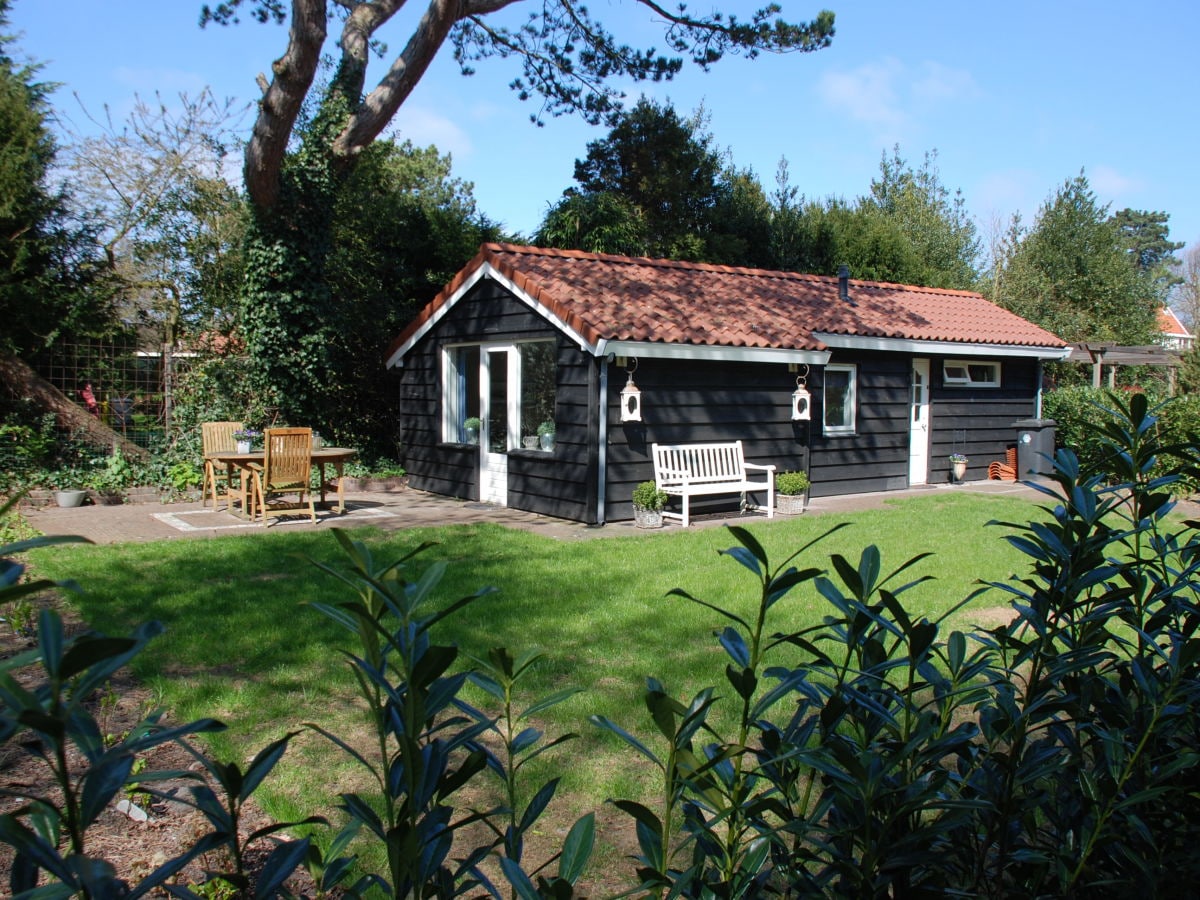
x,y
486,270
711,352
947,348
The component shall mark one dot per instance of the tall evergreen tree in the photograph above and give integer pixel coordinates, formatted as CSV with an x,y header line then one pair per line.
x,y
47,262
1071,273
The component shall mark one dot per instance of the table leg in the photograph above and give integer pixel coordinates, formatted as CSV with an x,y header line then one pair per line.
x,y
341,488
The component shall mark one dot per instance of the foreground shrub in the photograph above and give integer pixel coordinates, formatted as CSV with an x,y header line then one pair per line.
x,y
871,755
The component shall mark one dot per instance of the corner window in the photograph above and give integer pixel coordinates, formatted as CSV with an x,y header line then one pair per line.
x,y
538,375
961,373
840,399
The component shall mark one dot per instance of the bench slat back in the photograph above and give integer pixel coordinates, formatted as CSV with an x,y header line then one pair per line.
x,y
703,462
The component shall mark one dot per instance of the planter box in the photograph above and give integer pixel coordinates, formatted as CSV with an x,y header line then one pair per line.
x,y
790,504
106,499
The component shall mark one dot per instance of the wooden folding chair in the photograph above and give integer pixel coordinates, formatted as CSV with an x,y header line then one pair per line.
x,y
217,437
286,469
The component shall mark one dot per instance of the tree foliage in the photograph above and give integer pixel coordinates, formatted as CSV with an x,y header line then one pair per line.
x,y
1072,274
47,264
170,226
909,229
656,185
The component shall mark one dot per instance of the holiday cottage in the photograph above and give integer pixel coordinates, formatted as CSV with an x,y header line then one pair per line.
x,y
541,379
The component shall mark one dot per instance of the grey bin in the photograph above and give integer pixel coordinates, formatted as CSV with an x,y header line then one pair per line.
x,y
1035,447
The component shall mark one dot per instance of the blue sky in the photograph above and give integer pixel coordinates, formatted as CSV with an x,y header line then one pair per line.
x,y
1015,97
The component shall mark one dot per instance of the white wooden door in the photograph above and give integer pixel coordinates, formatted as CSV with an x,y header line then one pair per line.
x,y
918,421
500,414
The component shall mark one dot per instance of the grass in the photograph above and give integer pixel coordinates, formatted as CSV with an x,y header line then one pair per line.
x,y
241,644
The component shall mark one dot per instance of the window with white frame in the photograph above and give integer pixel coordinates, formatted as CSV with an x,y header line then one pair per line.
x,y
970,373
840,400
460,398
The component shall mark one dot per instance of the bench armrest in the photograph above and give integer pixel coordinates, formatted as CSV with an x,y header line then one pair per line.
x,y
759,468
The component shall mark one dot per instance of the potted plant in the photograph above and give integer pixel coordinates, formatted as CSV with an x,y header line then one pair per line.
x,y
648,503
792,488
958,465
245,438
471,429
546,435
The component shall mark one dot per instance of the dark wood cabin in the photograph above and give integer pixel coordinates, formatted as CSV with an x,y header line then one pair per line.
x,y
527,339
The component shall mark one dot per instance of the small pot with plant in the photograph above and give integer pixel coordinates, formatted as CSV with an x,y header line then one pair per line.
x,y
958,466
471,429
792,488
648,503
546,435
245,438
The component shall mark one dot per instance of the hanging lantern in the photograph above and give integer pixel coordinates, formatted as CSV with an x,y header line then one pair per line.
x,y
801,400
631,398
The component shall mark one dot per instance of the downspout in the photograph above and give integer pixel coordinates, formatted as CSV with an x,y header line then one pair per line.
x,y
1037,397
602,450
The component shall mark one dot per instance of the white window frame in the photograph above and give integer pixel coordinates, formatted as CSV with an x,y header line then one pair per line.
x,y
967,379
452,414
850,427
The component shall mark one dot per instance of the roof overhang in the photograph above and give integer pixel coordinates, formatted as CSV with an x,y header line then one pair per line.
x,y
710,352
486,270
940,348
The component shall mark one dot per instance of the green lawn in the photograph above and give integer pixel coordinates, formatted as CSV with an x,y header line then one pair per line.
x,y
242,646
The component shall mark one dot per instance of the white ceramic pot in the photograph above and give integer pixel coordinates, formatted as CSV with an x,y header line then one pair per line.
x,y
69,498
547,441
243,446
960,471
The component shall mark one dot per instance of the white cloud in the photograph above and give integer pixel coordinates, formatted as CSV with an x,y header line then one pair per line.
x,y
423,127
936,84
867,94
1107,182
893,98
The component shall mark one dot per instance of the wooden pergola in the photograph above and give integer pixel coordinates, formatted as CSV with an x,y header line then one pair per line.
x,y
1112,355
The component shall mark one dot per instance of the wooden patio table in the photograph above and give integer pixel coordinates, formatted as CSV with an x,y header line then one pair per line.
x,y
333,456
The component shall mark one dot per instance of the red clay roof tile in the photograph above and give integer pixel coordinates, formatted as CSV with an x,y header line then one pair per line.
x,y
634,299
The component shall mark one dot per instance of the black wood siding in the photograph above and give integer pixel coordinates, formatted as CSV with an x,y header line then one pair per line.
x,y
561,483
978,422
696,401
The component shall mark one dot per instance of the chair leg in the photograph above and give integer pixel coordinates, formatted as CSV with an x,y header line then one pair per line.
x,y
208,485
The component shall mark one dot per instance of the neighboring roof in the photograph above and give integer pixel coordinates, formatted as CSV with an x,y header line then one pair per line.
x,y
1169,324
604,300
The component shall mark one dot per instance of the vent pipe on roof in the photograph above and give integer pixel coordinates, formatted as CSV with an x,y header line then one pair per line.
x,y
844,284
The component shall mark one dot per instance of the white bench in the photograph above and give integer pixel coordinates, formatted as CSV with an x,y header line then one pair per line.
x,y
695,470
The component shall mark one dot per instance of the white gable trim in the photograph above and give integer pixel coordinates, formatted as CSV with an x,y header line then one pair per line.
x,y
711,352
486,270
949,348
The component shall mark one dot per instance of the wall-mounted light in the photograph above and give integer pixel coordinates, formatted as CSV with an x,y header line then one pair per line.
x,y
631,397
801,399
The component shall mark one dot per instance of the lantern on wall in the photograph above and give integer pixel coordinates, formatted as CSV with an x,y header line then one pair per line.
x,y
801,399
631,397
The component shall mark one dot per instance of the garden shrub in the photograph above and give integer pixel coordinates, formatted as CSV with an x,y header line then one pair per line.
x,y
871,755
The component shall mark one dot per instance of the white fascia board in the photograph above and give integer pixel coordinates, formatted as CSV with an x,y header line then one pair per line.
x,y
711,353
487,270
940,348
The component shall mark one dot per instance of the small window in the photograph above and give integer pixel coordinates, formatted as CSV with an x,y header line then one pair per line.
x,y
960,373
839,400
